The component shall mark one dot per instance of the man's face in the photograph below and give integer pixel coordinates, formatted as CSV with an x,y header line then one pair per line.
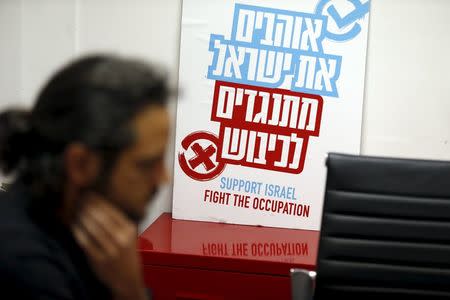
x,y
140,169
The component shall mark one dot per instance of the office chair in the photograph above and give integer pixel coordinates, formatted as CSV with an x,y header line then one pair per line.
x,y
385,231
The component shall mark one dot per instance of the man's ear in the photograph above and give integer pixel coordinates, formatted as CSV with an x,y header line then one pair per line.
x,y
82,165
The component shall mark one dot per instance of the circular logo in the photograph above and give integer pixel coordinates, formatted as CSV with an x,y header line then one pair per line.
x,y
201,166
343,18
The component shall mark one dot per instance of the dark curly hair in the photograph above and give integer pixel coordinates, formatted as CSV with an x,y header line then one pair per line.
x,y
90,101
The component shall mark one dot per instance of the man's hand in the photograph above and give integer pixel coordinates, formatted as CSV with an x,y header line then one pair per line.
x,y
108,239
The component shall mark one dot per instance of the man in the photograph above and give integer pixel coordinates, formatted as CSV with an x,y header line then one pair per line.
x,y
87,158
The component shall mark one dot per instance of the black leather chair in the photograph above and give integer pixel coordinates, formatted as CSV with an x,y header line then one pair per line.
x,y
385,231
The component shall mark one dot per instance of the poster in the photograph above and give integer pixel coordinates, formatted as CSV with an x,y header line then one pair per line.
x,y
267,89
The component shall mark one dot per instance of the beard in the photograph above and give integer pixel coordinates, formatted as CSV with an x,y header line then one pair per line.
x,y
133,215
103,187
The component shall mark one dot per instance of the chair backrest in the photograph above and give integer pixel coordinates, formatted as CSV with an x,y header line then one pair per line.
x,y
385,229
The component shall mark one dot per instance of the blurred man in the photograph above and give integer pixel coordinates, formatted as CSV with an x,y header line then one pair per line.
x,y
87,158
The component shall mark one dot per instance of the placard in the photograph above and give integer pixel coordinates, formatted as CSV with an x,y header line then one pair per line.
x,y
267,89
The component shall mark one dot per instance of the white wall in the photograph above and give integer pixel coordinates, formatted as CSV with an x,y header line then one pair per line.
x,y
407,100
38,36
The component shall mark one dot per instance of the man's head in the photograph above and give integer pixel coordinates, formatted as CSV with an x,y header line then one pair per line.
x,y
98,125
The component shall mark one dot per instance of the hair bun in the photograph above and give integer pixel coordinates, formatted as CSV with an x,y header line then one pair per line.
x,y
14,130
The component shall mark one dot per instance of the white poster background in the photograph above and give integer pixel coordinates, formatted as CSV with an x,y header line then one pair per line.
x,y
340,129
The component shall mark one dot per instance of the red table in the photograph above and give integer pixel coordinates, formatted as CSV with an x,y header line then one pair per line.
x,y
203,260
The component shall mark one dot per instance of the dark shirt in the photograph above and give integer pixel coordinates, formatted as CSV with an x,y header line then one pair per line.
x,y
39,258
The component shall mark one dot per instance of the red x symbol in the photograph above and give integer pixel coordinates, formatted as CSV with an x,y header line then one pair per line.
x,y
203,156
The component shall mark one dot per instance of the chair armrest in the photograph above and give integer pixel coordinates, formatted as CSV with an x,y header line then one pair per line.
x,y
302,284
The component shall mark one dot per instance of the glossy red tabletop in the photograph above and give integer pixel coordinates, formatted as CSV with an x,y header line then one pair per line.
x,y
242,248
